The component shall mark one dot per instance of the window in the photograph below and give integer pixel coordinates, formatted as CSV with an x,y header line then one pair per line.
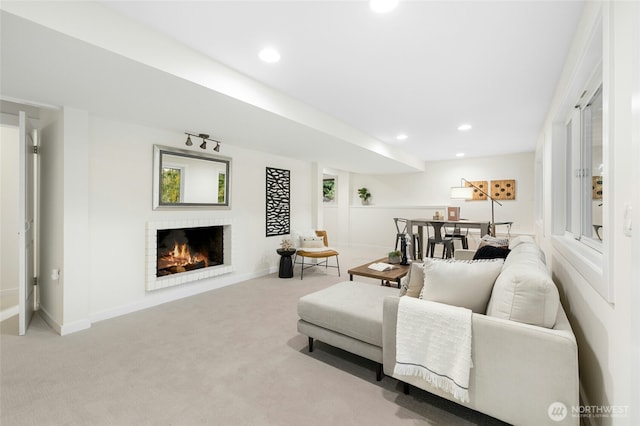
x,y
585,170
222,186
539,177
171,185
329,190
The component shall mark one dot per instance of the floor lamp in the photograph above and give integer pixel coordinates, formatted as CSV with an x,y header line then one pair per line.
x,y
466,193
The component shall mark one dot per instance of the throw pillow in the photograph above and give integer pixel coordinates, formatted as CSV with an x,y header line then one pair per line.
x,y
311,241
412,283
491,252
525,293
488,240
466,283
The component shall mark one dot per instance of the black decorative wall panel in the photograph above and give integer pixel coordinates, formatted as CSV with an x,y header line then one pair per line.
x,y
278,198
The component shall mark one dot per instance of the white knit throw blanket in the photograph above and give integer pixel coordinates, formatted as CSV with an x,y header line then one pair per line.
x,y
433,342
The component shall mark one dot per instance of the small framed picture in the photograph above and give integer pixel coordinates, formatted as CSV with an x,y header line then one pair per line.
x,y
453,213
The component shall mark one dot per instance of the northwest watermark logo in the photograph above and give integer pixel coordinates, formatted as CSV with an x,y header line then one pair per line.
x,y
557,411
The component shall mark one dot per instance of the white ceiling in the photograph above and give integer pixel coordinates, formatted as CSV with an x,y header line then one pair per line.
x,y
423,69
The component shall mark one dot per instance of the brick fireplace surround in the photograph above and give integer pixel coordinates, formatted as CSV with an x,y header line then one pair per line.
x,y
154,283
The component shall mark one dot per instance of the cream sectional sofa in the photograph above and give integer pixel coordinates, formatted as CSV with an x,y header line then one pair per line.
x,y
525,357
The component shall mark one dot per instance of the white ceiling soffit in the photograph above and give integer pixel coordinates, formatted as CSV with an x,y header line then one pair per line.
x,y
75,58
422,69
349,74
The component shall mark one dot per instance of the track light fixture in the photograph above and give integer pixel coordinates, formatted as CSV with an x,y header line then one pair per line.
x,y
204,138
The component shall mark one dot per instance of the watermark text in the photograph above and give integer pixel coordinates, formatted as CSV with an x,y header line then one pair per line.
x,y
558,411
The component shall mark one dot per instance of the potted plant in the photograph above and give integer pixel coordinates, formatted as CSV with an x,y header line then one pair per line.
x,y
364,195
395,256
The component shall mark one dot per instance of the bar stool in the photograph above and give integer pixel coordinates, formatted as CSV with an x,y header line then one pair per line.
x,y
447,243
456,234
401,233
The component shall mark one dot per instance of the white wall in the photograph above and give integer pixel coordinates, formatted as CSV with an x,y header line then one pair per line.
x,y
8,216
420,195
51,218
607,332
63,237
335,216
120,205
76,267
96,198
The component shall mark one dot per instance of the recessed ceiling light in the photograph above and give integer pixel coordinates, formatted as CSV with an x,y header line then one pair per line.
x,y
460,154
383,6
464,127
401,137
269,55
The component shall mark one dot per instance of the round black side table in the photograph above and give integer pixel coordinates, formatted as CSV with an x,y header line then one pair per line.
x,y
286,265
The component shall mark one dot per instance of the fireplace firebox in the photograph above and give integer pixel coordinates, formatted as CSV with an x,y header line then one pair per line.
x,y
187,249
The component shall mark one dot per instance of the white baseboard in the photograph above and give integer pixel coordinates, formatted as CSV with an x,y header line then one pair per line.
x,y
153,298
8,313
170,294
9,296
64,329
49,320
76,326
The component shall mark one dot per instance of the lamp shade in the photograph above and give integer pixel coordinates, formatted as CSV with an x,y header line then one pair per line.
x,y
461,193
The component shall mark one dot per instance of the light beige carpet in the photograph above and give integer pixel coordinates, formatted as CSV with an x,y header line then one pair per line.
x,y
231,356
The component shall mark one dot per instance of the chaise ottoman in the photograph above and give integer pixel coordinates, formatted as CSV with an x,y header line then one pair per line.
x,y
347,315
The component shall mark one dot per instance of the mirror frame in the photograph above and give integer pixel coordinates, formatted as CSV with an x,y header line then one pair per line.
x,y
159,151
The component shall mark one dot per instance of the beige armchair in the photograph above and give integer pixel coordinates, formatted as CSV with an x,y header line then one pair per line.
x,y
316,251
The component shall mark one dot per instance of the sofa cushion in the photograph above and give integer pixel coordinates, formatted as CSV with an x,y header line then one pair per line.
x,y
525,295
412,283
524,291
351,308
519,240
465,283
525,255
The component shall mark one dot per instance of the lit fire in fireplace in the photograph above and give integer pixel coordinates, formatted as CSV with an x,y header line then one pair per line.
x,y
186,249
181,255
180,259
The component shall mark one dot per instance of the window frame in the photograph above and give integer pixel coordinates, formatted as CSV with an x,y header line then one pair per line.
x,y
578,168
591,61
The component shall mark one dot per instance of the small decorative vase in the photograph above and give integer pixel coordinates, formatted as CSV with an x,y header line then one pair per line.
x,y
394,260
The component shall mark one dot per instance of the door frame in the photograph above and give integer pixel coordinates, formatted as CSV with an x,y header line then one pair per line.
x,y
28,139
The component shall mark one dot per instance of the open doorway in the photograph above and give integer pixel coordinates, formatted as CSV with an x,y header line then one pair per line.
x,y
9,172
18,213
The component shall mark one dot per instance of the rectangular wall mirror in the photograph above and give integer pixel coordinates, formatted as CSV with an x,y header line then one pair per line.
x,y
184,178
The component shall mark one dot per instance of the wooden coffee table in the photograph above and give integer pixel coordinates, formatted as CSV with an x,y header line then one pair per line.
x,y
386,277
